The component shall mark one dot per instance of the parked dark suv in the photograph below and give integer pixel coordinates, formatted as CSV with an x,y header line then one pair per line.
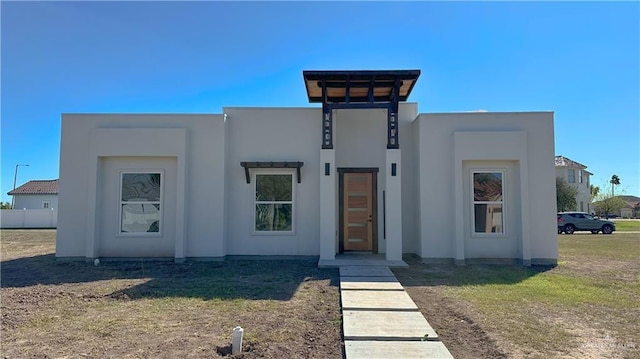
x,y
569,222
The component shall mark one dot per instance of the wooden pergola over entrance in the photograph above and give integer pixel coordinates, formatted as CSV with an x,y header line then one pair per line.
x,y
359,89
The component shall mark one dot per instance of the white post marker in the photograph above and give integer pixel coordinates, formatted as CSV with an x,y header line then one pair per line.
x,y
236,343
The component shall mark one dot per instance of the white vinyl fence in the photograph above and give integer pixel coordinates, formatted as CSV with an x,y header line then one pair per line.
x,y
29,218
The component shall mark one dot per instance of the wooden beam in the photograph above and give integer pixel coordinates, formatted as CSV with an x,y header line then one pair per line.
x,y
271,164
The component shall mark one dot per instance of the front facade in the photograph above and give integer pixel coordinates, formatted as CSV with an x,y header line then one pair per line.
x,y
577,176
362,174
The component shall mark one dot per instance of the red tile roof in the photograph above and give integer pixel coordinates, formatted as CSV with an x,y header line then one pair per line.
x,y
630,201
37,187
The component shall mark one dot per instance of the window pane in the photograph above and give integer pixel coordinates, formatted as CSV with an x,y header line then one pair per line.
x,y
487,187
571,176
273,217
273,187
141,187
488,218
140,218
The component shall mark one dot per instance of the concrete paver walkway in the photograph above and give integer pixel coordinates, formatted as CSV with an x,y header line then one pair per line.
x,y
387,325
399,350
380,320
370,283
377,300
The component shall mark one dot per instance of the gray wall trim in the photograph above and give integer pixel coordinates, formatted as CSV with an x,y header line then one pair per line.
x,y
445,261
205,259
270,258
134,259
498,261
544,262
70,259
482,261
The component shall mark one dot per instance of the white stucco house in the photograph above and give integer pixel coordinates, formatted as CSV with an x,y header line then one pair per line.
x,y
364,173
577,176
35,205
36,194
631,208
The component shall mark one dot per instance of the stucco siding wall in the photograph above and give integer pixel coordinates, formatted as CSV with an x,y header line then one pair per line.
x,y
210,205
73,188
542,185
273,134
436,187
35,201
522,144
195,141
406,115
205,187
416,192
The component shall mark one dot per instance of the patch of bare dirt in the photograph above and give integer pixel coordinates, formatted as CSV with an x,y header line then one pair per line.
x,y
455,325
61,320
618,270
528,329
289,309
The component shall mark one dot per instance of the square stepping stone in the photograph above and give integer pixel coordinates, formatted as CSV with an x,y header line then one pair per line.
x,y
365,271
376,300
370,283
386,325
395,350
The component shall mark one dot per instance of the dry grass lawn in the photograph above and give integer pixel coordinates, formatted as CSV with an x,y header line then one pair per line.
x,y
586,307
146,309
627,225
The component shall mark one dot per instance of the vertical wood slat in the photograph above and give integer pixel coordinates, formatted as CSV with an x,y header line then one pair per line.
x,y
358,195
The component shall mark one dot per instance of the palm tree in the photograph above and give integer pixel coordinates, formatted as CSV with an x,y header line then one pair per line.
x,y
595,190
615,181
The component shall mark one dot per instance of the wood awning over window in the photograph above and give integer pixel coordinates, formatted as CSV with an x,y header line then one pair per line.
x,y
360,86
271,164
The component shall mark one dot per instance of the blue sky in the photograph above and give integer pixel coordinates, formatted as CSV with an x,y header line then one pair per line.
x,y
580,60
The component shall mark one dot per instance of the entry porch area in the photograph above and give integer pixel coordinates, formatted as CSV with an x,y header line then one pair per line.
x,y
360,259
360,187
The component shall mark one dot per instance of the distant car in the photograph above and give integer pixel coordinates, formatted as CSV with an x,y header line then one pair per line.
x,y
569,222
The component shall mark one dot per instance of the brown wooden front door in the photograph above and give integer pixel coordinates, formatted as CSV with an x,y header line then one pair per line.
x,y
358,211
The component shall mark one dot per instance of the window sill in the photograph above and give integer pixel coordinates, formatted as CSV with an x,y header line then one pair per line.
x,y
489,235
273,233
140,235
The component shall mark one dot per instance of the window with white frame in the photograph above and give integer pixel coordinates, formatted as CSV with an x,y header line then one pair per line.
x,y
46,204
571,176
579,176
140,202
273,202
488,202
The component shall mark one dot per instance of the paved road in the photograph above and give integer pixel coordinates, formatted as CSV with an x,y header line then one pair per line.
x,y
614,233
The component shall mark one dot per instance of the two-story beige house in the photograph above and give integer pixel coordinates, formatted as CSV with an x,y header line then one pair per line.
x,y
577,176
